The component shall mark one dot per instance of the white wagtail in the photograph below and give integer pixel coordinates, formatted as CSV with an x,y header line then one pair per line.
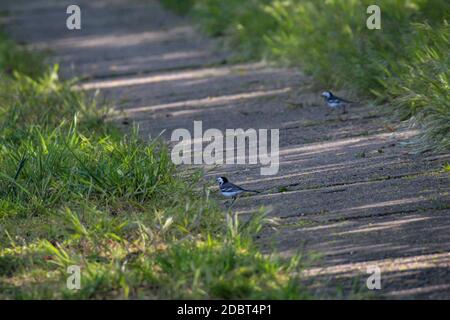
x,y
335,102
231,190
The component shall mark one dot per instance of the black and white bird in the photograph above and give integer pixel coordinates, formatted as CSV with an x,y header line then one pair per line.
x,y
335,102
231,190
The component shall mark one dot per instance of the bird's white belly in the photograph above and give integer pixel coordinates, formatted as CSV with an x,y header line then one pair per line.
x,y
335,105
231,193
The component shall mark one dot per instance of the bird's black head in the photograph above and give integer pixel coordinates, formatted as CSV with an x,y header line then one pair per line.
x,y
222,180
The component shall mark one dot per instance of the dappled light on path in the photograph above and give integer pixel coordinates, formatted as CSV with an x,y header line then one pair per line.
x,y
348,188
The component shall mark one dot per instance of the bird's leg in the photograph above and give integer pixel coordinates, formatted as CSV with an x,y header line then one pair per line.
x,y
232,202
343,109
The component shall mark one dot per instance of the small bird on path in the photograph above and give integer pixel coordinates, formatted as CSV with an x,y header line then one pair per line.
x,y
335,102
231,190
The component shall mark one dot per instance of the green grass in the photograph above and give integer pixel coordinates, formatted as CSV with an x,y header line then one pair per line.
x,y
76,191
446,167
13,58
405,64
421,91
